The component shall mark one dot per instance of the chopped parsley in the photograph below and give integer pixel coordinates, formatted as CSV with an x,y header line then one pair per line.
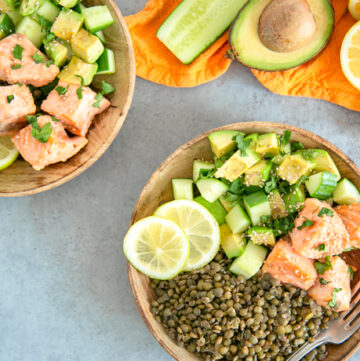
x,y
270,185
351,271
306,223
332,303
55,119
16,66
50,36
242,144
61,90
321,247
296,146
323,281
42,134
17,52
106,88
45,24
326,211
281,226
38,58
207,173
10,98
284,139
321,267
98,99
80,88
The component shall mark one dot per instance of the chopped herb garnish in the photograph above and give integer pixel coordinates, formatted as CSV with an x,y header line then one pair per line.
x,y
270,185
296,146
61,90
17,52
48,63
309,154
321,267
106,88
284,139
49,37
306,223
16,66
350,249
80,88
332,303
264,219
44,23
207,173
98,99
41,134
55,119
326,211
10,98
321,247
38,58
19,84
242,144
351,271
323,282
281,226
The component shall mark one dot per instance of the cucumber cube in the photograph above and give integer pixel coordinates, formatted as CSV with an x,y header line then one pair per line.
x,y
262,235
86,46
183,189
237,219
67,24
232,244
294,201
223,142
258,174
28,7
211,189
106,63
67,3
32,30
7,5
199,165
7,27
215,208
15,17
76,69
321,185
101,36
257,206
97,18
268,144
48,10
250,262
346,193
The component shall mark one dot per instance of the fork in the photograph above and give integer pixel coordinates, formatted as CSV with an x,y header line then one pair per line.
x,y
339,330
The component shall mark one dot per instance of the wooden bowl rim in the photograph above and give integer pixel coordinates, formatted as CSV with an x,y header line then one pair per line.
x,y
325,144
110,139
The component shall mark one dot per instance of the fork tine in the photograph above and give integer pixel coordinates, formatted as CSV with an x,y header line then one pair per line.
x,y
356,325
355,299
354,312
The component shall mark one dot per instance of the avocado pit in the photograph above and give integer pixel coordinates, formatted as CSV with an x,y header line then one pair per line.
x,y
286,25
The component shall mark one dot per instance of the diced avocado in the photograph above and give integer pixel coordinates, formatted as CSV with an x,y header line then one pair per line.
x,y
294,166
67,3
226,204
294,200
32,30
258,174
262,235
7,27
182,189
257,206
76,69
15,16
7,5
268,144
67,24
222,142
211,189
250,262
321,185
232,244
86,46
346,193
200,165
57,51
254,140
237,164
277,205
215,208
237,219
48,10
324,163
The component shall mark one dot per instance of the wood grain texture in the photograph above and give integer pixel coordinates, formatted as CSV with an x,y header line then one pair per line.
x,y
179,165
21,179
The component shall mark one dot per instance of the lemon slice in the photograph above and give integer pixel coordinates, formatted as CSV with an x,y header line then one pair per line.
x,y
8,152
157,247
350,55
199,225
354,8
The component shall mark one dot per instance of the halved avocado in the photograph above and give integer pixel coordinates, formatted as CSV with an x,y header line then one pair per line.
x,y
247,46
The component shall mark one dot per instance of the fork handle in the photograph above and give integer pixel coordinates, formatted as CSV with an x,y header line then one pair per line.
x,y
306,348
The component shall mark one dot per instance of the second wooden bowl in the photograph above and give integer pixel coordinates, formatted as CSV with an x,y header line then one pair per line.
x,y
179,165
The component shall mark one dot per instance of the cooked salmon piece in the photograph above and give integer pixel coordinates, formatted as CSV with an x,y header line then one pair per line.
x,y
350,216
76,114
332,288
59,147
19,66
287,266
15,103
317,236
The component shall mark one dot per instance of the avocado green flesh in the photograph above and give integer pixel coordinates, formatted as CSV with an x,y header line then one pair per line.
x,y
250,51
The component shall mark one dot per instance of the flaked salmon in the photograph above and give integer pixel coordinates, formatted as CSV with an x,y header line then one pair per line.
x,y
317,232
76,107
21,62
287,266
350,215
16,101
332,288
59,147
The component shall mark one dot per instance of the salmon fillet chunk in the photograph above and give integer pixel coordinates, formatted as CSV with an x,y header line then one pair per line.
x,y
15,103
350,215
285,265
58,148
319,231
332,288
75,112
21,62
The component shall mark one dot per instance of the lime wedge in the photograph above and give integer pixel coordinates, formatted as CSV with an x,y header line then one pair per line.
x,y
157,247
8,152
199,225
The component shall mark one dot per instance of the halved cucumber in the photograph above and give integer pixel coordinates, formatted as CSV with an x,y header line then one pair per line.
x,y
7,27
28,7
321,185
32,30
183,189
346,193
257,206
262,235
198,165
97,18
232,244
211,189
106,62
237,219
195,24
215,208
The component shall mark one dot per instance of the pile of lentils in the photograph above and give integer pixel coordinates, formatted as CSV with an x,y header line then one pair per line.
x,y
220,316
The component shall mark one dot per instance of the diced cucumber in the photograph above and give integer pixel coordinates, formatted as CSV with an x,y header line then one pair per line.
x,y
257,206
32,30
321,185
277,205
258,174
7,5
254,140
15,16
226,204
294,200
106,63
195,24
67,3
268,144
79,7
86,46
67,24
324,163
100,34
250,262
223,142
57,51
262,235
211,189
232,244
237,219
215,208
7,27
183,189
97,18
198,165
48,10
28,7
346,193
76,69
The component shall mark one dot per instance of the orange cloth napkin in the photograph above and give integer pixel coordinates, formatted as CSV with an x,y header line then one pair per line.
x,y
320,78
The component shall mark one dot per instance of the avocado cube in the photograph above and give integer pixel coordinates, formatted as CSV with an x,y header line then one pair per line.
x,y
258,174
254,140
67,3
67,24
7,5
237,164
223,142
277,205
86,46
76,69
232,244
262,235
324,163
226,204
268,144
294,166
294,200
57,51
15,17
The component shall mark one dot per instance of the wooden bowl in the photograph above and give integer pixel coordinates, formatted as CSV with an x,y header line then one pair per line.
x,y
21,179
179,165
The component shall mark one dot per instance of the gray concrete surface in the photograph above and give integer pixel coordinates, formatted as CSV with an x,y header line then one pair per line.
x,y
64,293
